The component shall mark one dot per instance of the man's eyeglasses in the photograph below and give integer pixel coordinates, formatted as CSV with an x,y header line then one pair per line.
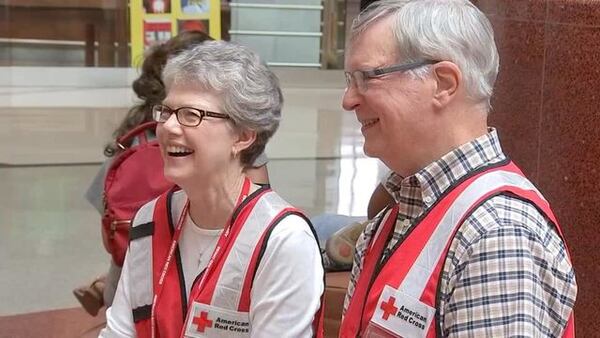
x,y
186,116
360,77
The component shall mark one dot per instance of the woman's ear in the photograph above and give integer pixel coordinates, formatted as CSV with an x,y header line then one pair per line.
x,y
448,80
245,139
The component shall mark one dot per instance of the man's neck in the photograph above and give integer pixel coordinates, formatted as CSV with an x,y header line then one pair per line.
x,y
457,128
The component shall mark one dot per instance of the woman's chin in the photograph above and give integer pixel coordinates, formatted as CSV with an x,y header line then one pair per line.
x,y
175,176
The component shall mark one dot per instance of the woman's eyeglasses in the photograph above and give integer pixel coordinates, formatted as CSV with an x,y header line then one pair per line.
x,y
186,116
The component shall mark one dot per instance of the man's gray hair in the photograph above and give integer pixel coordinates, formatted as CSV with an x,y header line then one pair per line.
x,y
441,30
248,91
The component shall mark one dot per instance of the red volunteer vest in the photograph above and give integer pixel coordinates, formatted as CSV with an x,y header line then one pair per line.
x,y
398,297
211,310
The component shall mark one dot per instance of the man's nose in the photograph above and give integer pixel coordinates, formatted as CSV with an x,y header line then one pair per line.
x,y
350,100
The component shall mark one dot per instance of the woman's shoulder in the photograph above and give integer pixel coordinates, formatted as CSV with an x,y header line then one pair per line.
x,y
146,212
293,221
293,227
291,243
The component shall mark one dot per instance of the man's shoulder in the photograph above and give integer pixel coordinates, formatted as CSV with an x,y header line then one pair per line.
x,y
507,218
511,211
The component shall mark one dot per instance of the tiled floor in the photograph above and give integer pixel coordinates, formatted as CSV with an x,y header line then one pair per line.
x,y
52,130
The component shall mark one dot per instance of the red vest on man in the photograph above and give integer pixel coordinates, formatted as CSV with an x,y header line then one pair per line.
x,y
219,307
398,298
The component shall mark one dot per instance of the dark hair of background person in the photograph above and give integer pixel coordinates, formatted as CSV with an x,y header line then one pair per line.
x,y
365,3
149,86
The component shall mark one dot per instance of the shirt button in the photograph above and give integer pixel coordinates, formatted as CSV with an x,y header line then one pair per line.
x,y
427,199
406,222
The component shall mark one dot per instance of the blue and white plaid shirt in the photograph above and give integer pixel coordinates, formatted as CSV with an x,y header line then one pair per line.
x,y
507,272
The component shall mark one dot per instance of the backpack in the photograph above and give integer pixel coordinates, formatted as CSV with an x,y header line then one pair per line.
x,y
134,178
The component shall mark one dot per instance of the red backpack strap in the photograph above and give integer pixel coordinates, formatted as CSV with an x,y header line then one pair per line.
x,y
139,131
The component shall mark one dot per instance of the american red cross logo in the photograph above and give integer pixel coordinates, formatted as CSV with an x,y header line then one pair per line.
x,y
202,321
389,308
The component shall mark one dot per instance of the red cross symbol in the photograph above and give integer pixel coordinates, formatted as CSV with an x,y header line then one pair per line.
x,y
389,308
202,321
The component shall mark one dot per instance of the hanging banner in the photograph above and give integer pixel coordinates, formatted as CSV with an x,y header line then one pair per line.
x,y
155,21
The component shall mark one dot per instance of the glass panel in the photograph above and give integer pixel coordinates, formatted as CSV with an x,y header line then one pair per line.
x,y
261,25
283,49
64,33
280,2
275,19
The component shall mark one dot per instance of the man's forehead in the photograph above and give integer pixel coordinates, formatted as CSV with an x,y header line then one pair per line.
x,y
369,52
375,45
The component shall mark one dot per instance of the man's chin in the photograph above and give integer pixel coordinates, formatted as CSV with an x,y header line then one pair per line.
x,y
370,150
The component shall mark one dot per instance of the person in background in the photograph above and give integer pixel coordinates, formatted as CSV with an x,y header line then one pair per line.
x,y
365,3
150,90
472,248
222,257
338,233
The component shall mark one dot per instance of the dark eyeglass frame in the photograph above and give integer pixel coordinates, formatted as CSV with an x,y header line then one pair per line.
x,y
158,109
360,77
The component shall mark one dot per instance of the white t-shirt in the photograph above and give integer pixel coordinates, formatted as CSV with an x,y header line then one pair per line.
x,y
290,276
196,246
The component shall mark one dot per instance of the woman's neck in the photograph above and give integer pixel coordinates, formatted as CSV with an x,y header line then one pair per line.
x,y
212,203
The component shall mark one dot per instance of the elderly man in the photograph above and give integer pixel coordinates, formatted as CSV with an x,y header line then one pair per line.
x,y
472,249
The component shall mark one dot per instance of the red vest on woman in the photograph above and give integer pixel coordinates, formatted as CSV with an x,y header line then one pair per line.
x,y
398,297
219,301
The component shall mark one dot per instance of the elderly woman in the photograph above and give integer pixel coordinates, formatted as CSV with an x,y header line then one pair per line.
x,y
222,257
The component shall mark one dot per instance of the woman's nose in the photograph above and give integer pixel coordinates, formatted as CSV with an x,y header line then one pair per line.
x,y
172,124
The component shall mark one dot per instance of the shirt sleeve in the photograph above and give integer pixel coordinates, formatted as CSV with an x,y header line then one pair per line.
x,y
360,249
289,282
119,318
96,189
510,282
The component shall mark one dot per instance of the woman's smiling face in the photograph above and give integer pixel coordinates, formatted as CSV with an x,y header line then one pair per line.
x,y
192,153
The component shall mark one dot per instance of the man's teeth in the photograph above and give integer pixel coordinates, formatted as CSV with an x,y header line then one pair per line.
x,y
368,123
178,150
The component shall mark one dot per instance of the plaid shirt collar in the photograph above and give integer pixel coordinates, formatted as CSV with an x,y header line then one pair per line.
x,y
421,190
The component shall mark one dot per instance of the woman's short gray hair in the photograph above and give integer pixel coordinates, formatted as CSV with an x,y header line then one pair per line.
x,y
441,30
249,91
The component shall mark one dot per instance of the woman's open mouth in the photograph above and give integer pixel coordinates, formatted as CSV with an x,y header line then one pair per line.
x,y
179,151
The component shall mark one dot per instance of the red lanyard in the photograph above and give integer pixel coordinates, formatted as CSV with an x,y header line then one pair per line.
x,y
176,235
219,249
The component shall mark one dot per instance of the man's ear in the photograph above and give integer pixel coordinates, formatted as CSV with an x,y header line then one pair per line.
x,y
245,139
448,80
